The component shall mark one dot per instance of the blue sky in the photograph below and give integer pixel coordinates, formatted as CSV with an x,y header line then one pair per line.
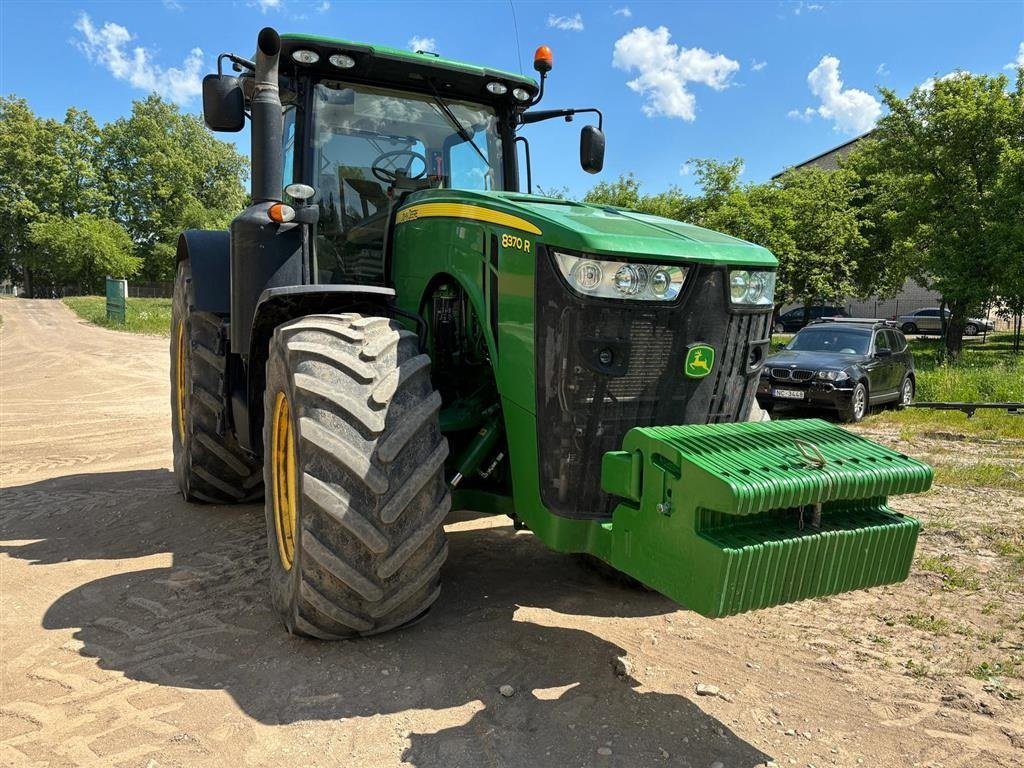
x,y
773,82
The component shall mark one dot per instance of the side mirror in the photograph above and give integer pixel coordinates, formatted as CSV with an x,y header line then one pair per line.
x,y
591,149
883,353
223,103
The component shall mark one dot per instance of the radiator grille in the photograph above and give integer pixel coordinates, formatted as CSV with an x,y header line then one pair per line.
x,y
585,408
791,374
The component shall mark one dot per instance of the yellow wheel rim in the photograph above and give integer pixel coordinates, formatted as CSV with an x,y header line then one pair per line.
x,y
179,371
282,463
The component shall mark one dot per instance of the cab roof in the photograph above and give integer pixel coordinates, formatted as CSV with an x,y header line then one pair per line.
x,y
404,69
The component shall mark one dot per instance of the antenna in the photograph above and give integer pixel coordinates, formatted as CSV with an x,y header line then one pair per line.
x,y
515,26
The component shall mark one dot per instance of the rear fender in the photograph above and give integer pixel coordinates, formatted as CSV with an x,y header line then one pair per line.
x,y
208,251
280,305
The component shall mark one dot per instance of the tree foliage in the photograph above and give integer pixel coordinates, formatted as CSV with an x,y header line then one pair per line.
x,y
166,173
149,175
83,249
942,180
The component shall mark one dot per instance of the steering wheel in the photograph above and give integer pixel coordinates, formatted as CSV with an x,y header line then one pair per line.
x,y
385,167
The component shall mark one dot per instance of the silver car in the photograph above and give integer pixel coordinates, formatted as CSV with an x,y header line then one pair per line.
x,y
929,321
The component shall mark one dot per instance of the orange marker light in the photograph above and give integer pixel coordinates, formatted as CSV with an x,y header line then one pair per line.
x,y
281,213
543,59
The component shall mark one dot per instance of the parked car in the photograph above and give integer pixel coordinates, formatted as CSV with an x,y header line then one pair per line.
x,y
793,320
842,364
930,321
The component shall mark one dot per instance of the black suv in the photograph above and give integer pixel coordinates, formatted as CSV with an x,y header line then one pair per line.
x,y
843,364
793,320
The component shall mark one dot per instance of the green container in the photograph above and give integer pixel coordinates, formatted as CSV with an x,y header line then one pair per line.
x,y
730,518
117,299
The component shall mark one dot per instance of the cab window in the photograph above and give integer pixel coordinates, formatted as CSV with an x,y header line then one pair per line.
x,y
289,146
370,144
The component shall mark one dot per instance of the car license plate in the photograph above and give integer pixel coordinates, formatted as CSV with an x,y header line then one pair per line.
x,y
789,394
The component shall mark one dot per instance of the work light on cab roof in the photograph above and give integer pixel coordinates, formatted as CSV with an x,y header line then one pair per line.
x,y
396,327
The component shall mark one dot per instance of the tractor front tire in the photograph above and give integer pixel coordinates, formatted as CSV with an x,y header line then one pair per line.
x,y
354,470
209,465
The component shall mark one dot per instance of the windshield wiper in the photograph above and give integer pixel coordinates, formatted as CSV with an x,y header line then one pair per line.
x,y
460,129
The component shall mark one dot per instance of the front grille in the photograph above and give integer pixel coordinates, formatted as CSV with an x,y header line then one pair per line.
x,y
586,406
791,374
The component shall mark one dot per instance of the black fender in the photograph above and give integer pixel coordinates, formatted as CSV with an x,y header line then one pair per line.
x,y
209,254
277,306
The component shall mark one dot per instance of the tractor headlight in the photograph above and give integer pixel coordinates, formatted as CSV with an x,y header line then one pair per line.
x,y
620,279
752,288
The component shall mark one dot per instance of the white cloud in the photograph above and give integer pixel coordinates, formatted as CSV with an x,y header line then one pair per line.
x,y
173,5
268,5
108,46
882,70
624,12
803,115
665,69
324,7
1019,62
568,23
757,66
851,110
417,43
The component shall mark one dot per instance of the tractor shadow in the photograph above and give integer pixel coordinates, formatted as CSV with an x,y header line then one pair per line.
x,y
205,623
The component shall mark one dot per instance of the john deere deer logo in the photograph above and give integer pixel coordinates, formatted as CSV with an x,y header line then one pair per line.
x,y
700,358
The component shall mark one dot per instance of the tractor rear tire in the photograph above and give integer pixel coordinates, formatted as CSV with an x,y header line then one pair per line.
x,y
209,465
354,469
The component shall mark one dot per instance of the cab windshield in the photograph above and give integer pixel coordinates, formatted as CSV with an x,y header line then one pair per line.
x,y
844,341
370,143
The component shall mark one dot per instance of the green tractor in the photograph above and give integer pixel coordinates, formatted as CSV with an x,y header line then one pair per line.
x,y
392,329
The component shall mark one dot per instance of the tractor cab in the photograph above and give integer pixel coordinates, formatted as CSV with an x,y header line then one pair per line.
x,y
365,126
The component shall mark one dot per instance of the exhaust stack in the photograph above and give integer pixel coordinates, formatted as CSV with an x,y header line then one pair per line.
x,y
267,161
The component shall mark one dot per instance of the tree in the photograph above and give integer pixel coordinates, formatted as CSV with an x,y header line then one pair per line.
x,y
826,237
46,168
938,164
155,173
82,249
165,172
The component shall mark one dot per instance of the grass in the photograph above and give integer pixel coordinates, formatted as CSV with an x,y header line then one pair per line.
x,y
988,424
985,371
953,578
151,316
929,624
980,474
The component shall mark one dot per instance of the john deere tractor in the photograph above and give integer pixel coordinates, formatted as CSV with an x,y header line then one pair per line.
x,y
393,328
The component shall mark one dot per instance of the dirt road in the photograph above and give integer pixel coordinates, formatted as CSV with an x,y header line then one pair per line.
x,y
136,629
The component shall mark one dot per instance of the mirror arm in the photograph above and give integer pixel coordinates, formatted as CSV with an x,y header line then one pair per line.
x,y
548,114
238,63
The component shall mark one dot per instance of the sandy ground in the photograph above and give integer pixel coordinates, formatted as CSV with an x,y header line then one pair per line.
x,y
136,629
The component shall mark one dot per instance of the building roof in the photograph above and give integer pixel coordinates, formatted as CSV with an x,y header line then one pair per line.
x,y
846,145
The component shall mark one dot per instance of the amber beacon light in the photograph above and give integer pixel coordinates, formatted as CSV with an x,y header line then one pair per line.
x,y
543,59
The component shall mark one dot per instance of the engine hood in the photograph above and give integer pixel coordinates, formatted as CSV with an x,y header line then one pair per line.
x,y
601,230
